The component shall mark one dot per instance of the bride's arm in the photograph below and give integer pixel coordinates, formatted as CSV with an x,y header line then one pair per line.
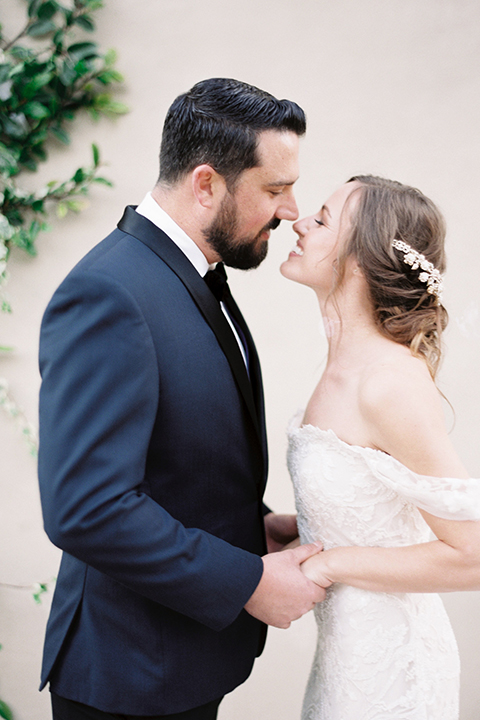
x,y
450,563
405,418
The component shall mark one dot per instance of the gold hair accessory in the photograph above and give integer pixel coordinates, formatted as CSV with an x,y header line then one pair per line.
x,y
429,274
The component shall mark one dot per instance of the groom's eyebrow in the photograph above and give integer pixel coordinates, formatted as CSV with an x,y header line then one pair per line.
x,y
282,183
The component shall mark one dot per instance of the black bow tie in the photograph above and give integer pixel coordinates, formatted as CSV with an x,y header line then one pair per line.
x,y
217,281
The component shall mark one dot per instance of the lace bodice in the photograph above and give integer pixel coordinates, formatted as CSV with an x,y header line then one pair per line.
x,y
380,656
351,495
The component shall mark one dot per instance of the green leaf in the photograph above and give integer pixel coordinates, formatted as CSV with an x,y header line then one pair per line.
x,y
41,28
23,240
38,136
80,51
67,74
39,151
15,125
33,6
83,67
61,135
8,159
104,104
38,81
62,210
76,205
79,176
110,57
40,588
35,228
94,114
96,155
36,110
91,5
109,76
4,72
38,206
14,218
68,15
58,38
18,69
103,181
21,53
85,22
47,10
6,230
29,163
5,711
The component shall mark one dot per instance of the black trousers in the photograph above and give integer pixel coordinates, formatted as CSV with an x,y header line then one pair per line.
x,y
64,709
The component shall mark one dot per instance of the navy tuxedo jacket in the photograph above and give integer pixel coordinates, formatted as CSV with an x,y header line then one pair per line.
x,y
152,468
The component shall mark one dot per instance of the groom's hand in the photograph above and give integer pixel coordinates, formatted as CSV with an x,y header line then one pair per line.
x,y
284,593
280,530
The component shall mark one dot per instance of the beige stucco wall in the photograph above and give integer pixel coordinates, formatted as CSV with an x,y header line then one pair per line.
x,y
390,87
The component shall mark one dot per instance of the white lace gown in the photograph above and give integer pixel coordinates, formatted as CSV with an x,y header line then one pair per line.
x,y
379,656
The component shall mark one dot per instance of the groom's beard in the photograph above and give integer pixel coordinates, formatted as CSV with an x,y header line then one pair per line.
x,y
244,253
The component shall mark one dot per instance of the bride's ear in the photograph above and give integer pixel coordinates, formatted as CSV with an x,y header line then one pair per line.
x,y
355,268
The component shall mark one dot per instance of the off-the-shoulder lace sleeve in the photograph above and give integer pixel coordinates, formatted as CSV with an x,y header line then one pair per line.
x,y
447,498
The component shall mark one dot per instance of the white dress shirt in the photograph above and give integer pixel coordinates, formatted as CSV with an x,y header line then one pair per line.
x,y
150,209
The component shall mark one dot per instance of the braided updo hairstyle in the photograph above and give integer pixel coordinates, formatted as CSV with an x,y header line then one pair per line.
x,y
404,311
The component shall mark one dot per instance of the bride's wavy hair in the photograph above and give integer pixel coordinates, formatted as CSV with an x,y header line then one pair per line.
x,y
404,311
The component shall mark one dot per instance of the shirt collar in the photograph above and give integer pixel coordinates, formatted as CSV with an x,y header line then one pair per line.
x,y
150,209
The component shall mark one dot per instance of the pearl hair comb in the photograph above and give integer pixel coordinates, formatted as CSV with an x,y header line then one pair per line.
x,y
429,273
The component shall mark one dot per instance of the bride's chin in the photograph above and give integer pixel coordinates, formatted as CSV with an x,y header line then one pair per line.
x,y
286,270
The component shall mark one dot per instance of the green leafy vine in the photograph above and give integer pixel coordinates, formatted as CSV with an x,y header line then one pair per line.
x,y
48,73
43,84
37,590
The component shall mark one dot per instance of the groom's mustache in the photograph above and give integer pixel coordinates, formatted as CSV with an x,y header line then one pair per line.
x,y
273,224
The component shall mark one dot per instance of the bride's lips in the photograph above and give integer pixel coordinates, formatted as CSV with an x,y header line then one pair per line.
x,y
297,250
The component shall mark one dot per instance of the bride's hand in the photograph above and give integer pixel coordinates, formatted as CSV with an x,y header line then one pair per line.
x,y
316,569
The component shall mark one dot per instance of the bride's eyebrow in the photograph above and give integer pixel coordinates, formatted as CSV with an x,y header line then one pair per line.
x,y
325,209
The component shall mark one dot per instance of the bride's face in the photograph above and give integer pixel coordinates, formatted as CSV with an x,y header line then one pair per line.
x,y
312,261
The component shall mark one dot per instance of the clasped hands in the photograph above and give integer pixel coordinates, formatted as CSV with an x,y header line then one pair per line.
x,y
290,586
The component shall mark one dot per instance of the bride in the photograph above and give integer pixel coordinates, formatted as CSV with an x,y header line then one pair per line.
x,y
373,468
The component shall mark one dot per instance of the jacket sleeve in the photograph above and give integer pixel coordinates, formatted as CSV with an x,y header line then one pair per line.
x,y
98,402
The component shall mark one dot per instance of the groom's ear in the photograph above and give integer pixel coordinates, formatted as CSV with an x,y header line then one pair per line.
x,y
208,187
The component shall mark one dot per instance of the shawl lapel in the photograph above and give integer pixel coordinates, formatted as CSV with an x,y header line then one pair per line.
x,y
254,366
144,230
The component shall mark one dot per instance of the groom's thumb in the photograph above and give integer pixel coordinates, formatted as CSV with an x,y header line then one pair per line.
x,y
303,552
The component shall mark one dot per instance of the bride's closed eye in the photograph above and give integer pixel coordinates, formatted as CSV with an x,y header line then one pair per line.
x,y
319,222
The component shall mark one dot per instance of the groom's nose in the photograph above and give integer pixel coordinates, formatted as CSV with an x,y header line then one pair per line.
x,y
287,209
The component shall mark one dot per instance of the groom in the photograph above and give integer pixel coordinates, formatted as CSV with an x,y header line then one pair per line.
x,y
153,459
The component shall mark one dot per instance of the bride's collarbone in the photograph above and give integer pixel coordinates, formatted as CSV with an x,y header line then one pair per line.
x,y
345,422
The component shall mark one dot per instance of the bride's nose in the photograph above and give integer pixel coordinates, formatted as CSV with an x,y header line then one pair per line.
x,y
301,226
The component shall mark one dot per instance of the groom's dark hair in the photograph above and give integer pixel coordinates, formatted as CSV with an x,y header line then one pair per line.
x,y
217,122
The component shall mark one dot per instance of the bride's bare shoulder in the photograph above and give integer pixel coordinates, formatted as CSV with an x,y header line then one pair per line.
x,y
403,410
397,379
